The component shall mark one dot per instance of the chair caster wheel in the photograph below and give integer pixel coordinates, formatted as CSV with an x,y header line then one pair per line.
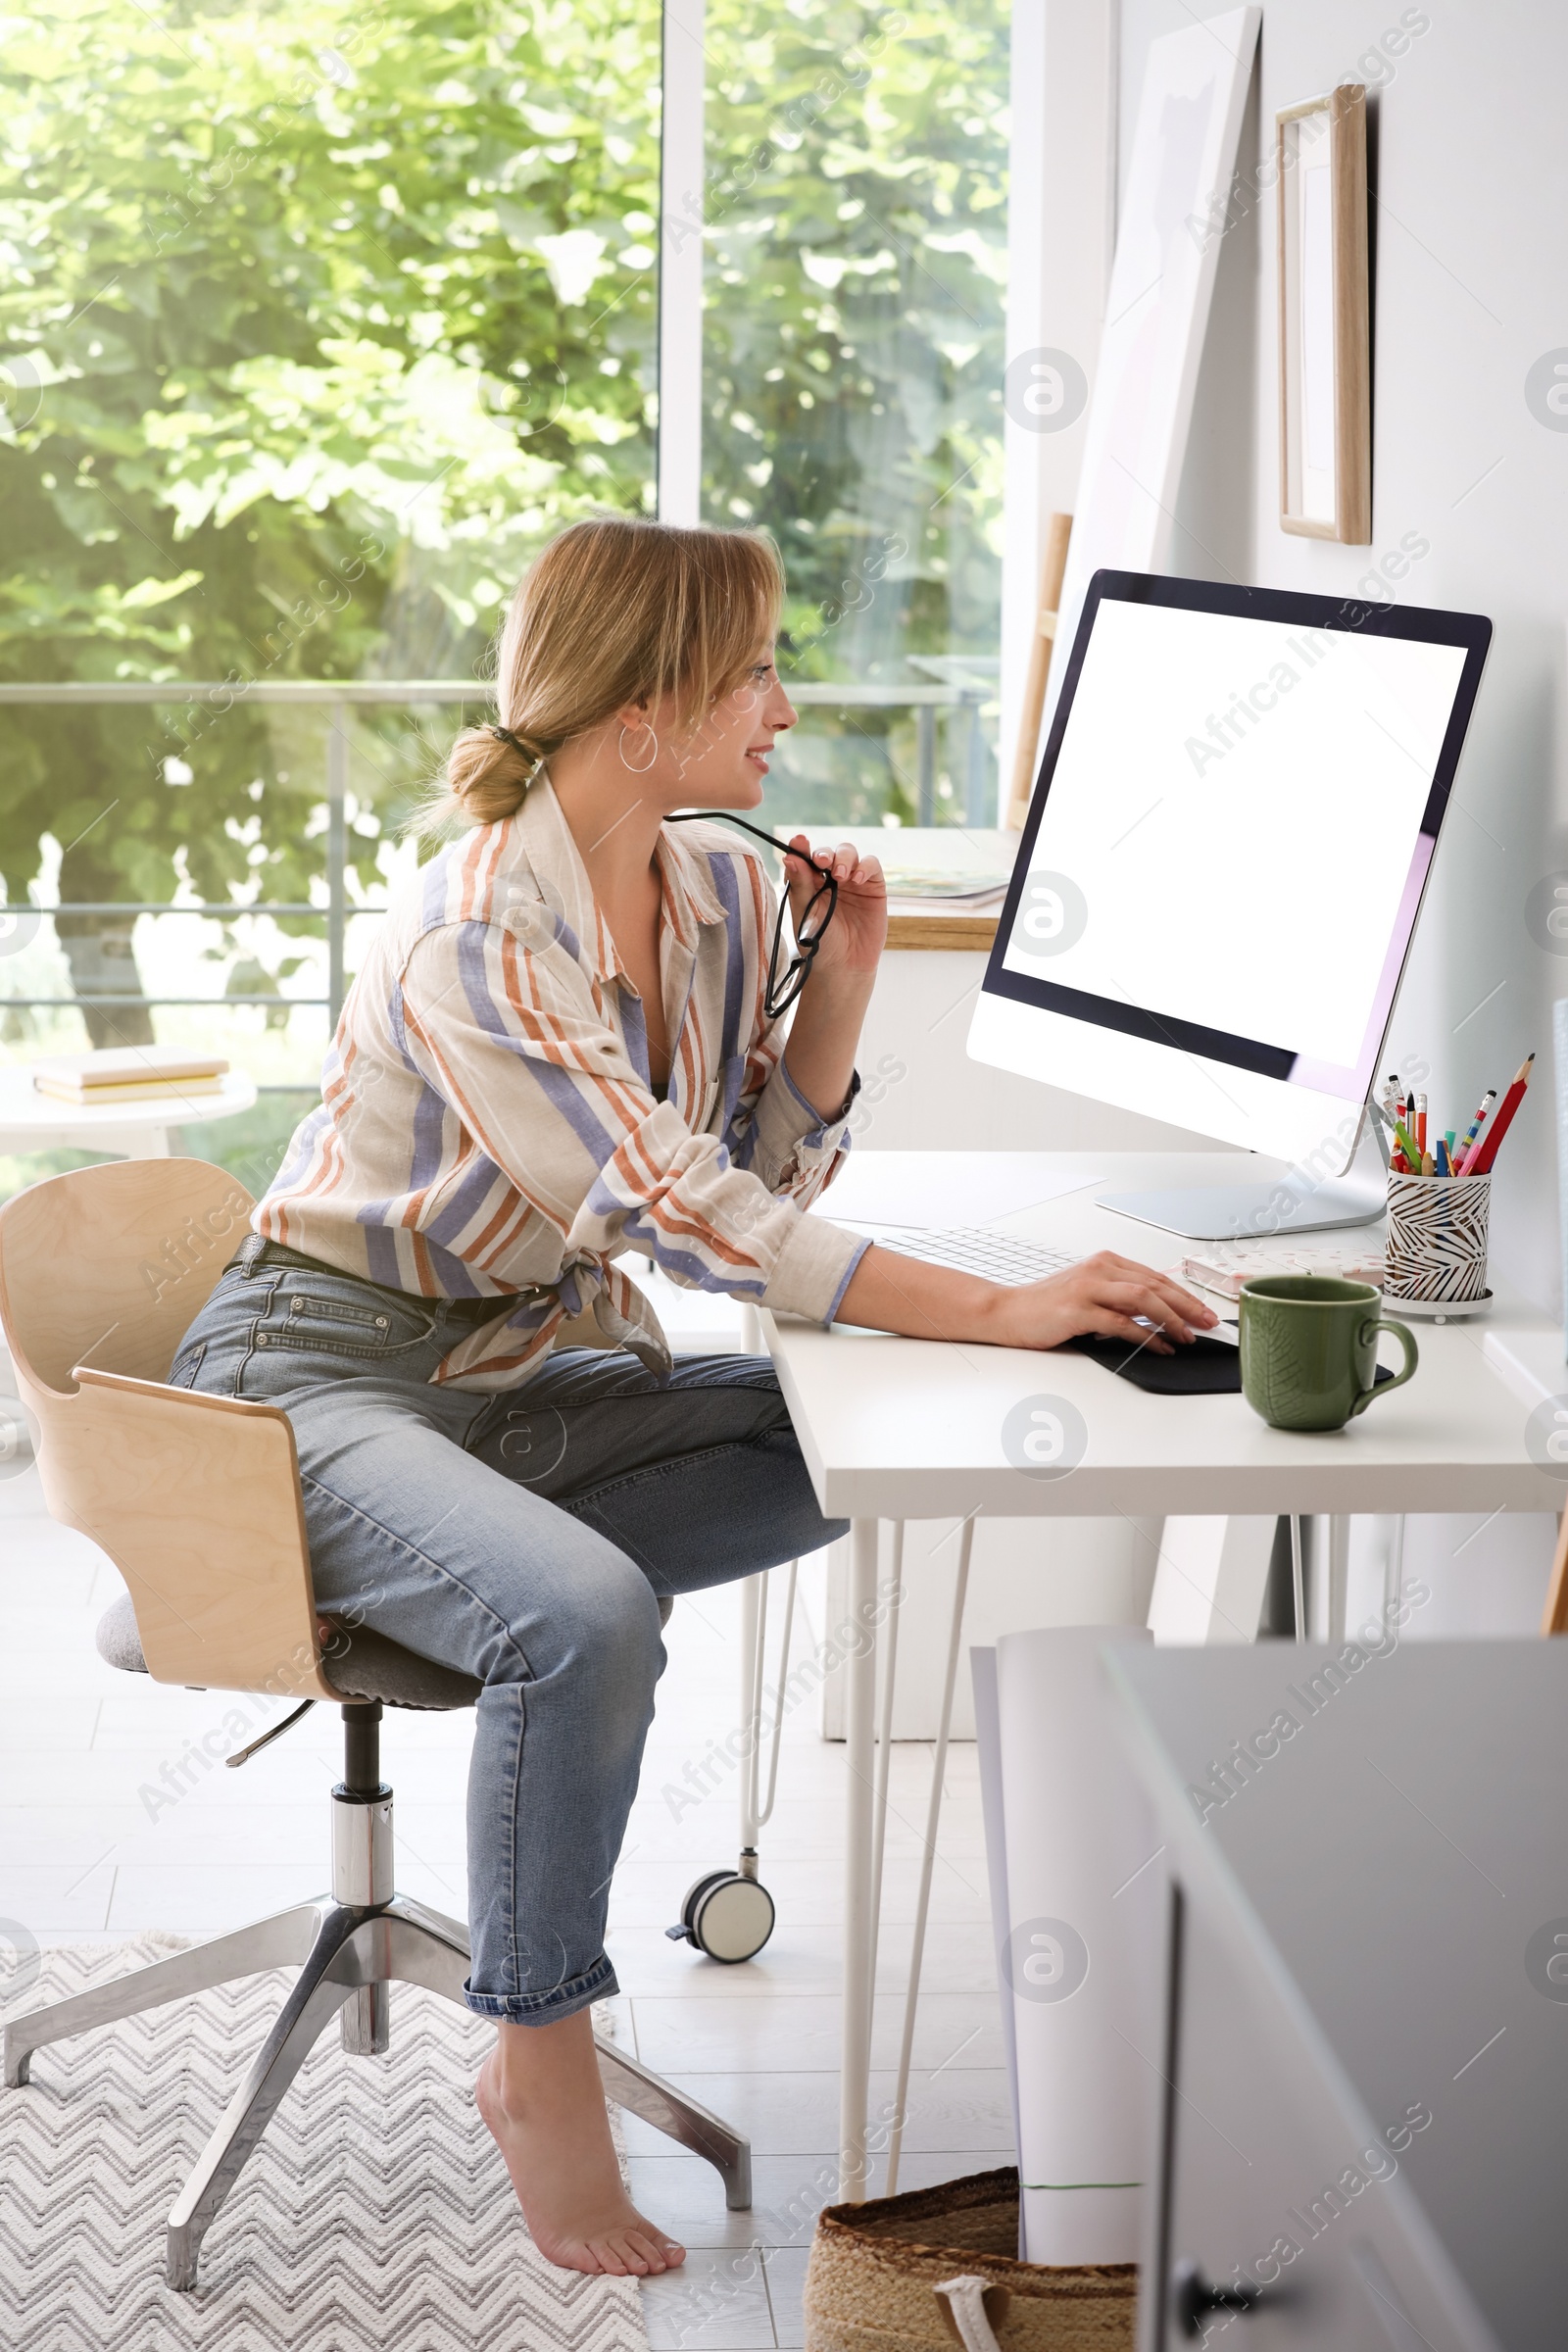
x,y
726,1915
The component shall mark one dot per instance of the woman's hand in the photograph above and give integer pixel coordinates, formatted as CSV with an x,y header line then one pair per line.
x,y
1104,1294
826,1025
889,1291
855,938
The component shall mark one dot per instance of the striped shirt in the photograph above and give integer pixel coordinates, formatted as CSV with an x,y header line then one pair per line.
x,y
487,1127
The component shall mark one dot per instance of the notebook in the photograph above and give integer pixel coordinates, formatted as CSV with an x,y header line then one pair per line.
x,y
128,1074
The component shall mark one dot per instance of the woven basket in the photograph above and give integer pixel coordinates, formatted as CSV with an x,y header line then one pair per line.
x,y
874,2269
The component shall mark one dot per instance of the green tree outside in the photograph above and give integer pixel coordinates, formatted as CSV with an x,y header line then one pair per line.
x,y
857,233
319,320
315,321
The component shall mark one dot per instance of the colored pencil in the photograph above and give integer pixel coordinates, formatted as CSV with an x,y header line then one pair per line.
x,y
1477,1123
1484,1152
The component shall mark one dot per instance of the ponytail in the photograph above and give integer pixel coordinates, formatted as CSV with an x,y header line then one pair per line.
x,y
615,610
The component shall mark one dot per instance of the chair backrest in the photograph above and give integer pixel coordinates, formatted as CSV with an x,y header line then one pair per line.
x,y
108,1266
195,1499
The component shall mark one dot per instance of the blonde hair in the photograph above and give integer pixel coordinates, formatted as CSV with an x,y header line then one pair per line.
x,y
613,610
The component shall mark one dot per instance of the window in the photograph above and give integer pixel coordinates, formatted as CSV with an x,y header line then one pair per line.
x,y
316,322
854,227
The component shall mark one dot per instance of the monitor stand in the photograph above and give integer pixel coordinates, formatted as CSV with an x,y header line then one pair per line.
x,y
1247,1212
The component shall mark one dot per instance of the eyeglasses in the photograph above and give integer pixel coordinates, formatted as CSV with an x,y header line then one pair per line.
x,y
781,993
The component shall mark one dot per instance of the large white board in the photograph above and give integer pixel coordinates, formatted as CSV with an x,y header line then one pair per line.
x,y
1162,281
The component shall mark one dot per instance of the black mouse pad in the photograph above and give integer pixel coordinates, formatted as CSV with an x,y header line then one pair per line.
x,y
1206,1368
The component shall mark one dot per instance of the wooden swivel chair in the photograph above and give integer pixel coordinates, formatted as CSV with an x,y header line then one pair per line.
x,y
196,1499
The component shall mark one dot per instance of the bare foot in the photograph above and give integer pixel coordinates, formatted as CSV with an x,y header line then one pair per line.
x,y
540,2095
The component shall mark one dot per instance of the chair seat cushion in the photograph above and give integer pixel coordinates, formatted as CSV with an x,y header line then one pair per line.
x,y
119,1642
362,1663
359,1663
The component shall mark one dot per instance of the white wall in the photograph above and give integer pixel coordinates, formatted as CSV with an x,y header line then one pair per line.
x,y
1470,170
1470,259
1470,230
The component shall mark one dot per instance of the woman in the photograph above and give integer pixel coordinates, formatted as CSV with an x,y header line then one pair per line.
x,y
559,1050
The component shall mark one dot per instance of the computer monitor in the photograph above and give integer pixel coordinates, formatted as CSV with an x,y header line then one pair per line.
x,y
1236,814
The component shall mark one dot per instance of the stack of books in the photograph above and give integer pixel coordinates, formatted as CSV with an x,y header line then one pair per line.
x,y
128,1074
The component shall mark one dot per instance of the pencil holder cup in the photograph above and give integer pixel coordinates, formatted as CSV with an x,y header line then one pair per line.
x,y
1437,1246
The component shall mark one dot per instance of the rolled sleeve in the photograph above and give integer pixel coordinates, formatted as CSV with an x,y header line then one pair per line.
x,y
792,1149
813,1269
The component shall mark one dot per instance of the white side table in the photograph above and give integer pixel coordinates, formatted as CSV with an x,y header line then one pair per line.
x,y
31,1121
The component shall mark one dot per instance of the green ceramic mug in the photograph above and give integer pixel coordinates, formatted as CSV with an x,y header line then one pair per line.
x,y
1309,1349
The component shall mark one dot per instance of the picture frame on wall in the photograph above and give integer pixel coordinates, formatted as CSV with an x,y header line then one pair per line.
x,y
1324,319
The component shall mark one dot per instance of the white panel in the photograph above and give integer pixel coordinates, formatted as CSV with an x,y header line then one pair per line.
x,y
1061,170
1210,1580
1085,1895
1195,92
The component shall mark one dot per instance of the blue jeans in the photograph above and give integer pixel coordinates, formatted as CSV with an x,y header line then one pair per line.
x,y
524,1538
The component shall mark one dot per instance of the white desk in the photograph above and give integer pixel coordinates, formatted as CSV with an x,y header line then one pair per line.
x,y
904,1429
33,1122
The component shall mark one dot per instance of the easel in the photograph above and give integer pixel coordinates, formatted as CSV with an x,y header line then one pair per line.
x,y
1057,533
1555,1617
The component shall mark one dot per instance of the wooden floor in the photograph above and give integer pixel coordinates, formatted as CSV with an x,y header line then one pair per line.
x,y
117,1814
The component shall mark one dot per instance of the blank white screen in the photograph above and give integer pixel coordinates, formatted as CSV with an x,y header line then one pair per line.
x,y
1238,802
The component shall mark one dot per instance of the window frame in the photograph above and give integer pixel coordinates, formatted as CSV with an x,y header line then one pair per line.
x,y
678,446
1062,79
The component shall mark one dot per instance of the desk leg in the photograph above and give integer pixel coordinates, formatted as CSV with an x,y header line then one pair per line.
x,y
1339,1575
1393,1572
884,1755
754,1628
859,1669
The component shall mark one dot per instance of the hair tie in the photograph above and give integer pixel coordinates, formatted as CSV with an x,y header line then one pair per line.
x,y
505,735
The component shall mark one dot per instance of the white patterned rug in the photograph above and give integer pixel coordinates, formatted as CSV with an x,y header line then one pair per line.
x,y
375,2212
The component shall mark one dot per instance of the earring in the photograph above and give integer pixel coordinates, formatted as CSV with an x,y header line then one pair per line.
x,y
639,768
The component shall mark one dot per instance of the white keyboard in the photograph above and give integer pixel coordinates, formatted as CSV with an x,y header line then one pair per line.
x,y
975,1249
994,1256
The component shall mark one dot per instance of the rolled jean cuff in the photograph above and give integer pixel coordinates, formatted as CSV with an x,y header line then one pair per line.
x,y
596,1984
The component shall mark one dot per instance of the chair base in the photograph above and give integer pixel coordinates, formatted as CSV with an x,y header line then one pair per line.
x,y
349,1947
347,1956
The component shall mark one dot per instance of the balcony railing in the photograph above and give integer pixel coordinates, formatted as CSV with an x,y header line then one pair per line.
x,y
968,693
